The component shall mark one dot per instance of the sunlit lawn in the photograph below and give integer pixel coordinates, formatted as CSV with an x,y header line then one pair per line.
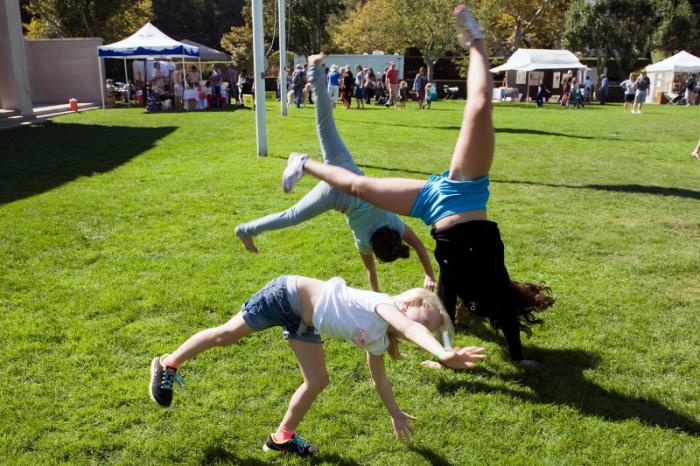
x,y
116,244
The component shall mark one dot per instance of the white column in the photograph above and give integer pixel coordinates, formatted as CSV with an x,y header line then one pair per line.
x,y
17,93
259,73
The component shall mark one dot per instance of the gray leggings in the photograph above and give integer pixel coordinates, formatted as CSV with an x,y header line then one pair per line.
x,y
323,197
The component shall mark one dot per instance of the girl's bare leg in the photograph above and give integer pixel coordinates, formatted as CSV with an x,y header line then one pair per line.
x,y
312,363
392,194
474,150
224,335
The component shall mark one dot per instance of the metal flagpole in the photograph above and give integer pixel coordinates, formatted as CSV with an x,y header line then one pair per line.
x,y
259,73
283,59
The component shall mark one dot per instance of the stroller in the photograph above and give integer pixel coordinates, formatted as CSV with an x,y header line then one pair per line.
x,y
153,102
381,96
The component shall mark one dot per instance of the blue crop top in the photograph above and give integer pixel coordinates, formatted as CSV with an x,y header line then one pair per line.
x,y
442,197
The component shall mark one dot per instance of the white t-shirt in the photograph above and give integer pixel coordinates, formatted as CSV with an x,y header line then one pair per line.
x,y
348,313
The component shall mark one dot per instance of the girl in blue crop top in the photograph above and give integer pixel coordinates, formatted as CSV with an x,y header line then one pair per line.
x,y
377,232
469,249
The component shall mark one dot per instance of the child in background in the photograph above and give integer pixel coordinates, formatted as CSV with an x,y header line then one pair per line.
x,y
304,308
542,93
579,97
404,94
208,96
429,95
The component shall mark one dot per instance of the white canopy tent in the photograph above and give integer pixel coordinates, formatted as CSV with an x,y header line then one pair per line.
x,y
147,42
207,53
682,61
540,59
667,76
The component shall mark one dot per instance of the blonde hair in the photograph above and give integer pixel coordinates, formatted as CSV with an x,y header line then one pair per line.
x,y
403,84
429,303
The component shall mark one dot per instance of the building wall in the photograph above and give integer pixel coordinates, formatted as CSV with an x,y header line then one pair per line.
x,y
63,69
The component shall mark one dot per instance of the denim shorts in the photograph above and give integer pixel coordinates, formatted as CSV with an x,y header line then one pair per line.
x,y
277,305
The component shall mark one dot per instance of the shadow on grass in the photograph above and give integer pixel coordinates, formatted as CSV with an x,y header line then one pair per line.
x,y
430,456
42,157
217,455
560,380
620,188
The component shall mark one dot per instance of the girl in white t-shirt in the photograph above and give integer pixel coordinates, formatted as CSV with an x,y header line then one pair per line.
x,y
304,308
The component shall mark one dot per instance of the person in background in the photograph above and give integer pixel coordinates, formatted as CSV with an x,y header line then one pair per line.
x,y
194,77
370,84
588,88
178,86
604,88
334,84
232,84
404,94
628,86
216,81
392,83
642,86
419,87
542,93
360,87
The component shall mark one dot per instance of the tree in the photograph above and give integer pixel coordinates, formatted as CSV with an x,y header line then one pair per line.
x,y
510,23
109,19
432,34
307,22
362,33
628,29
203,21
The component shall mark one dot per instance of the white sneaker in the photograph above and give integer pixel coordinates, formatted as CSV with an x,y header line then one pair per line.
x,y
467,27
294,170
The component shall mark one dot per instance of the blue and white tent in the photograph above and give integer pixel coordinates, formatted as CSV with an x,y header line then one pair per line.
x,y
146,43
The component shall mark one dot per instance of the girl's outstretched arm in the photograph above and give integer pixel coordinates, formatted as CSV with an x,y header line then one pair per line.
x,y
412,239
456,358
371,267
399,419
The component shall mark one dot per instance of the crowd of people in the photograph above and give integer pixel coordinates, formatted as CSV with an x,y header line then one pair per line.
x,y
166,89
362,84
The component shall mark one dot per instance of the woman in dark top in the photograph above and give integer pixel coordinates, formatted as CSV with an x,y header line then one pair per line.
x,y
348,87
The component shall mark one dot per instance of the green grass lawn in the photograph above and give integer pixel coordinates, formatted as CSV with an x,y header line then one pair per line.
x,y
117,243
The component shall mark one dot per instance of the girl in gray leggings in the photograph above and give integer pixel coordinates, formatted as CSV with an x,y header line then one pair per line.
x,y
377,232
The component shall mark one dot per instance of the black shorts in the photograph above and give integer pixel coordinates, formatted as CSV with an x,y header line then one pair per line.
x,y
629,98
472,267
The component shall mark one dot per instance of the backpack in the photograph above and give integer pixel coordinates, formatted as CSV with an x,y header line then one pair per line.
x,y
296,78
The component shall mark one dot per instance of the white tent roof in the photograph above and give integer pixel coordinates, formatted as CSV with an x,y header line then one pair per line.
x,y
682,61
147,42
207,53
540,59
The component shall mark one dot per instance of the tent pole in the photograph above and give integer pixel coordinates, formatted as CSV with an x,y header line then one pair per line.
x,y
527,91
126,77
102,87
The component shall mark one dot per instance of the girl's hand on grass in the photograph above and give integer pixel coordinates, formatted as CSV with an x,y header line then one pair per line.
x,y
527,364
402,428
460,358
429,283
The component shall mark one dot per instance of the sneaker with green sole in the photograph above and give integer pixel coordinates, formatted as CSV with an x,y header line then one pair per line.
x,y
297,445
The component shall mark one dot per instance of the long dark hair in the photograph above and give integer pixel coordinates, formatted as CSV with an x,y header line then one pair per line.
x,y
387,245
528,298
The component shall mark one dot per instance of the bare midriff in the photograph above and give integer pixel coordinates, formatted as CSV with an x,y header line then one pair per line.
x,y
461,217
